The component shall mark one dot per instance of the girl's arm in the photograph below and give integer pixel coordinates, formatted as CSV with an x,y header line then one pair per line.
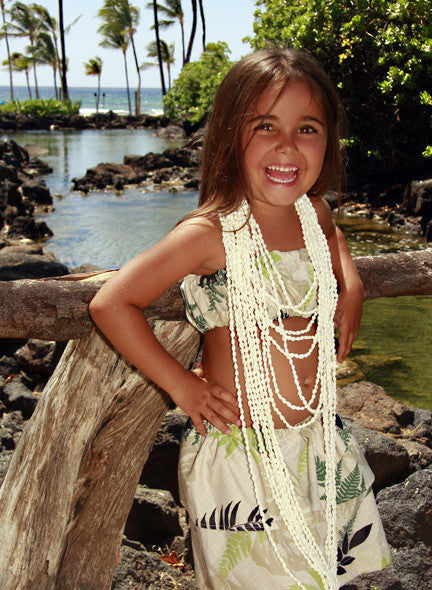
x,y
350,301
117,310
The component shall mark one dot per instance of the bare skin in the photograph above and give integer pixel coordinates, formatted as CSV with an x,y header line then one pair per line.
x,y
284,149
195,246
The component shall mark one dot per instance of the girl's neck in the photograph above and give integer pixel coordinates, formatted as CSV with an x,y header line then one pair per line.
x,y
280,227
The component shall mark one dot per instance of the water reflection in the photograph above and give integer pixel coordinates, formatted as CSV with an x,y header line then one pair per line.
x,y
106,229
368,237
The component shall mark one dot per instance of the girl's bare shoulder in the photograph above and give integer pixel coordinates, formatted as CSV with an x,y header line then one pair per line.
x,y
204,234
324,214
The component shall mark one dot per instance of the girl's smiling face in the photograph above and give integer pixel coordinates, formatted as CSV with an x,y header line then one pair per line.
x,y
284,145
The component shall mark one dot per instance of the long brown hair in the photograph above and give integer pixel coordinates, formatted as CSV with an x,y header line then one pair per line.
x,y
224,183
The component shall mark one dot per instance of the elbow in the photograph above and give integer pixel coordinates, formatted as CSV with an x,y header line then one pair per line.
x,y
98,308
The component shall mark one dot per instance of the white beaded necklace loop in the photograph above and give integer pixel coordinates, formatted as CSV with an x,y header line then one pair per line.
x,y
253,282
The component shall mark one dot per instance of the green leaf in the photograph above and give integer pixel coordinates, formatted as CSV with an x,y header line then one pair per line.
x,y
303,460
238,545
320,470
351,487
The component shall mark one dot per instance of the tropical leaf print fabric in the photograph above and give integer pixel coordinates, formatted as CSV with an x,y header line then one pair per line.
x,y
232,551
205,296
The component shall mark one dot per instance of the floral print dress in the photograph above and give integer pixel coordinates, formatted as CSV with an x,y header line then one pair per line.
x,y
231,549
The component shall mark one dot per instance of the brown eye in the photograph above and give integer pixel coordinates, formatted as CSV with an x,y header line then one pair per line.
x,y
307,129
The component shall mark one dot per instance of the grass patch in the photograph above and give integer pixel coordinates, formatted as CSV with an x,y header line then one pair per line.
x,y
41,107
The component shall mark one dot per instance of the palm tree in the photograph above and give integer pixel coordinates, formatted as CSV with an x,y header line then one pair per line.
x,y
201,7
45,52
93,67
158,47
193,30
173,11
124,18
114,39
20,63
5,35
63,77
167,55
27,21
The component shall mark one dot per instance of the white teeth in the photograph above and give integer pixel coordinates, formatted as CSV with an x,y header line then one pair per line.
x,y
281,181
282,168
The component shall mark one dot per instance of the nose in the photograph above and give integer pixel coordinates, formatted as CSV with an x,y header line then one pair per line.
x,y
286,142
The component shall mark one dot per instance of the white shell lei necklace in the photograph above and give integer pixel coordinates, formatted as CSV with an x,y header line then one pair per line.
x,y
249,268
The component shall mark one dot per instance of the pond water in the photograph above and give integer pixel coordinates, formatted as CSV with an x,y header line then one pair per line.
x,y
106,229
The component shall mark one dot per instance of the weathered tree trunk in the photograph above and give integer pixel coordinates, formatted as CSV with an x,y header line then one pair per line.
x,y
57,308
72,479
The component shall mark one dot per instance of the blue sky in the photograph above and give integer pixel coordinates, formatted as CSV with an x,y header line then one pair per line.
x,y
226,20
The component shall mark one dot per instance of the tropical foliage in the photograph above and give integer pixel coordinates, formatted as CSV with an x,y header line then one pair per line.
x,y
4,34
120,17
193,90
119,21
166,54
380,55
33,22
93,67
41,107
171,12
19,63
27,20
115,39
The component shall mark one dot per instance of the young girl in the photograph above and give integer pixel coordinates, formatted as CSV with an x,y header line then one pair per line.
x,y
277,491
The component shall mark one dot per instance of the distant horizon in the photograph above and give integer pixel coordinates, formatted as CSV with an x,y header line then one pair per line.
x,y
32,87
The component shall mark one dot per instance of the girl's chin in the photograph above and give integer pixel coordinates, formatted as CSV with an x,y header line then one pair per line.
x,y
278,200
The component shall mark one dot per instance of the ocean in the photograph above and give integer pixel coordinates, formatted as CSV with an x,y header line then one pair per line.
x,y
111,99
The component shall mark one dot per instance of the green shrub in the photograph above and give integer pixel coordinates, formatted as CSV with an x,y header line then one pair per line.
x,y
380,55
41,107
192,92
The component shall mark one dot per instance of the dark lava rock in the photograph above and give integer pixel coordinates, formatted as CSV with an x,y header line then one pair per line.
x,y
8,366
12,153
10,195
172,132
104,175
153,518
18,397
388,459
26,227
160,470
413,566
8,172
27,262
38,166
386,579
406,510
37,191
39,356
417,200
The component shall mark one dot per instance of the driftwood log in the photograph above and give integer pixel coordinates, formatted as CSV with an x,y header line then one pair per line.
x,y
71,482
73,476
57,309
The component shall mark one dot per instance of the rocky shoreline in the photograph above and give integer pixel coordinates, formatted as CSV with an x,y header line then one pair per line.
x,y
396,439
110,120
